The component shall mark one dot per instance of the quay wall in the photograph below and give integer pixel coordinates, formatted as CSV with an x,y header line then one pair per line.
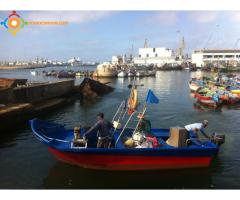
x,y
36,93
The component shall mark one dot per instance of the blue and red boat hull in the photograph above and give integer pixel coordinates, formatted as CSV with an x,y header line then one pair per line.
x,y
59,142
131,162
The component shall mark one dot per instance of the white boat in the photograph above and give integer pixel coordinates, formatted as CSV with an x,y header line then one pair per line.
x,y
122,74
131,74
151,73
33,73
140,74
74,62
105,70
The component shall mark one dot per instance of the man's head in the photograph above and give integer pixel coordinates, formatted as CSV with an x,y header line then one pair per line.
x,y
205,123
100,116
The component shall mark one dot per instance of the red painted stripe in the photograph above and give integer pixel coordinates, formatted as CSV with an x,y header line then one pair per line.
x,y
111,162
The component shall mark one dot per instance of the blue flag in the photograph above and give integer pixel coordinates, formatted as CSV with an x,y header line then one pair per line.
x,y
151,98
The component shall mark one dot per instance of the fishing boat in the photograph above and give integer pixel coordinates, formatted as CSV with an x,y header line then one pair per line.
x,y
208,100
122,74
140,74
151,73
63,74
34,73
131,74
195,85
105,70
169,153
59,143
233,89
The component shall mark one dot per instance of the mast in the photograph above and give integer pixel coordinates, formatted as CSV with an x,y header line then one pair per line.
x,y
145,44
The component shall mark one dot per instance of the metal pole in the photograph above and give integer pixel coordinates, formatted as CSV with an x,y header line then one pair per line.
x,y
124,128
144,110
117,110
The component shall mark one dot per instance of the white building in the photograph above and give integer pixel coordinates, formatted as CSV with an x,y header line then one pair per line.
x,y
118,60
158,56
222,56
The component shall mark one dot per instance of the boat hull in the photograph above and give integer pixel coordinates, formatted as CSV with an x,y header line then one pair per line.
x,y
207,100
131,162
193,87
122,74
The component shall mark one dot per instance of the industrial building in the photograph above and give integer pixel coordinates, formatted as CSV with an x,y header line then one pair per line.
x,y
221,57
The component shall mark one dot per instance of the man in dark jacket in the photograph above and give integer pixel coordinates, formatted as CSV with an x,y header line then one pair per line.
x,y
103,127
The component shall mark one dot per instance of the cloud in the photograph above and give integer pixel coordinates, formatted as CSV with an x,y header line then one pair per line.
x,y
234,16
163,17
203,16
76,17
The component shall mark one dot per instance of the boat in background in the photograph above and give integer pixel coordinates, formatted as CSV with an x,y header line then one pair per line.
x,y
208,100
122,74
195,84
34,73
105,70
131,74
150,73
140,74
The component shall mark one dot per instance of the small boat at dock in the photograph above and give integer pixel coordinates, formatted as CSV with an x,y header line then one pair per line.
x,y
151,73
208,100
122,74
195,84
140,74
33,73
105,70
131,74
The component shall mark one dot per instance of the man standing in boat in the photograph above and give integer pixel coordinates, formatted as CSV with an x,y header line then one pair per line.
x,y
193,129
103,127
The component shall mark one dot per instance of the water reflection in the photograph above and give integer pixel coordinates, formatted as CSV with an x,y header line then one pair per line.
x,y
66,176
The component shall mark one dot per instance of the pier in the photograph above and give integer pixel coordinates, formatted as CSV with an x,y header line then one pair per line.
x,y
21,102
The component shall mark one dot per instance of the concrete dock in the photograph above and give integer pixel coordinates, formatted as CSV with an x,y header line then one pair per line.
x,y
21,103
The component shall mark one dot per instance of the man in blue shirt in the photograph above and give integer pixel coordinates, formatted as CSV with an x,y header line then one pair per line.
x,y
103,127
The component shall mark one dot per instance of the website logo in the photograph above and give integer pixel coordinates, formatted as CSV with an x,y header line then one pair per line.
x,y
14,23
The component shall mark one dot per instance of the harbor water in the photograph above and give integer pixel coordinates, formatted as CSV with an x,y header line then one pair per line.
x,y
26,163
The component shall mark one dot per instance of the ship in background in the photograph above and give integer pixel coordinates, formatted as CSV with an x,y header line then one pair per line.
x,y
74,62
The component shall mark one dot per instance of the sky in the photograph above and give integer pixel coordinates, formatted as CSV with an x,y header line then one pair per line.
x,y
97,35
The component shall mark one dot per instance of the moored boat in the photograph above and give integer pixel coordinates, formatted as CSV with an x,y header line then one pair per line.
x,y
208,100
151,73
131,74
105,70
34,73
122,74
140,74
195,85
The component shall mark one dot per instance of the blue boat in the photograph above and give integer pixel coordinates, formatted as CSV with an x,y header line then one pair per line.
x,y
59,141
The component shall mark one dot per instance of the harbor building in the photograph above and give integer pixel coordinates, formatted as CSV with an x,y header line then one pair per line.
x,y
216,57
156,55
118,60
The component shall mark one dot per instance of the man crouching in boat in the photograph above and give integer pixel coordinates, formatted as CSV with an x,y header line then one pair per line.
x,y
103,127
193,129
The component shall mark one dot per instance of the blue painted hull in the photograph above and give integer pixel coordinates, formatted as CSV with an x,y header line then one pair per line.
x,y
58,139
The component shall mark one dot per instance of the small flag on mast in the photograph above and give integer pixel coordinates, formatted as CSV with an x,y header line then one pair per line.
x,y
151,97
